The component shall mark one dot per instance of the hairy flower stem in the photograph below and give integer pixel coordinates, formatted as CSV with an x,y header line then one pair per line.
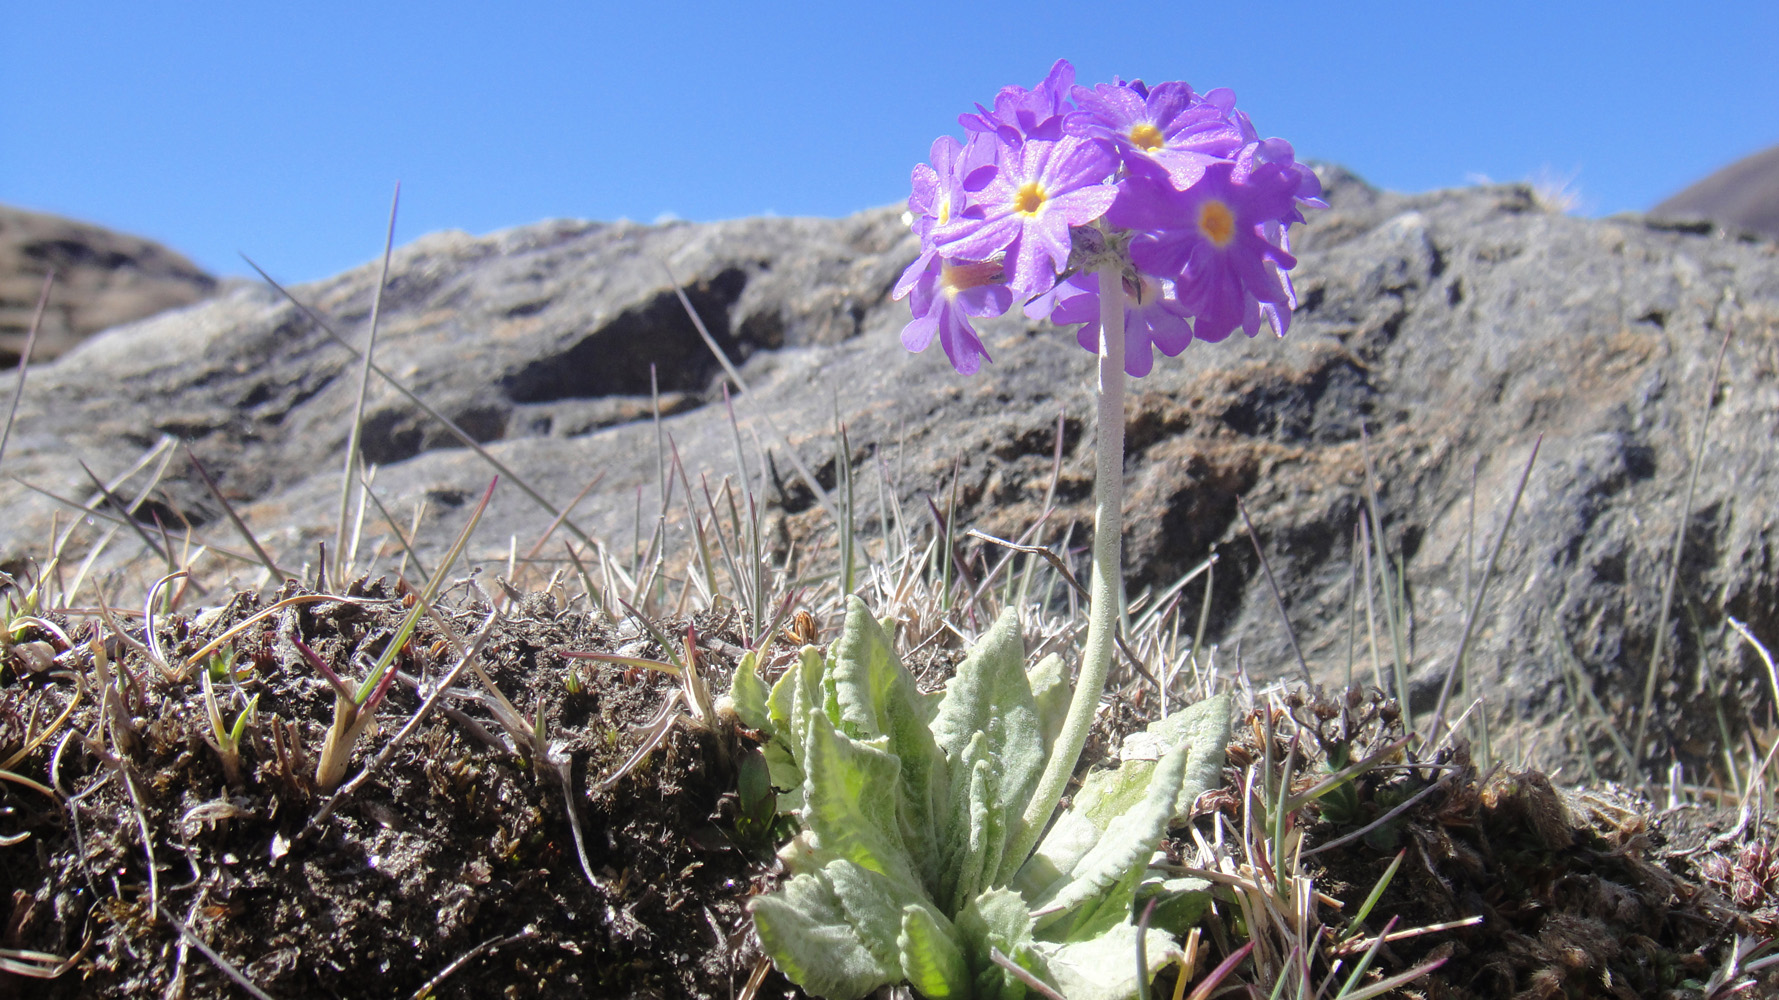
x,y
1107,585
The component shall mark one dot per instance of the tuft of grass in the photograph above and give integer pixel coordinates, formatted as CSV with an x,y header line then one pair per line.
x,y
355,709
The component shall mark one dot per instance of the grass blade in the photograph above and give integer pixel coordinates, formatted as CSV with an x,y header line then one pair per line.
x,y
1482,591
349,477
1391,607
821,495
450,425
265,559
375,678
1686,506
49,280
1277,596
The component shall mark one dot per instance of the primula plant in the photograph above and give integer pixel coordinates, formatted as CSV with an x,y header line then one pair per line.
x,y
907,868
1151,217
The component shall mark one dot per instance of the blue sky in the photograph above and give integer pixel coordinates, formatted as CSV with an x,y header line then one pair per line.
x,y
280,129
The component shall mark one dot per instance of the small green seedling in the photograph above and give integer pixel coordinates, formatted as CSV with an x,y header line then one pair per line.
x,y
356,708
757,825
225,739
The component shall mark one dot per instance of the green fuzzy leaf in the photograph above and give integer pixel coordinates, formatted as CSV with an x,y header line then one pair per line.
x,y
1207,738
748,693
1179,902
1101,911
758,804
977,836
990,697
998,919
874,905
932,955
877,698
870,684
849,803
1124,844
1104,795
1049,681
804,928
788,707
908,802
778,704
1105,967
1203,729
786,774
1200,732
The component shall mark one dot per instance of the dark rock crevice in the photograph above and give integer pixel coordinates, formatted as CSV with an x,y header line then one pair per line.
x,y
616,359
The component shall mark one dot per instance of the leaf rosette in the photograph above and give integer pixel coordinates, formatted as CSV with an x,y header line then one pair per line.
x,y
909,804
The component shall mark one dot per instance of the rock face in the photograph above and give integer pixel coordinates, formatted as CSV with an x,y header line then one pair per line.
x,y
1440,334
1743,196
103,279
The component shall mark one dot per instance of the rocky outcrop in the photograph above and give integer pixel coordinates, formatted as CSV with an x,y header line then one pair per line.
x,y
103,279
1440,335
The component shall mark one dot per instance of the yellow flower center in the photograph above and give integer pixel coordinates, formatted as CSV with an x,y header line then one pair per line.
x,y
1217,223
944,210
1030,198
1146,136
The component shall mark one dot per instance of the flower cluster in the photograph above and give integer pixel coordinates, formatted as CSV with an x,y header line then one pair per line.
x,y
1176,184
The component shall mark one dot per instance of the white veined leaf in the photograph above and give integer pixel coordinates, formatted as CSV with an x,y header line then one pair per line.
x,y
877,698
932,955
1105,967
850,801
805,930
748,694
990,696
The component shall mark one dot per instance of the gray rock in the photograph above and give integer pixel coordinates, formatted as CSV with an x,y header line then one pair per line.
x,y
103,279
1454,328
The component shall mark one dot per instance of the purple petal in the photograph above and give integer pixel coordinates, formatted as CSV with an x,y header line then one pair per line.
x,y
919,332
923,267
1167,101
960,342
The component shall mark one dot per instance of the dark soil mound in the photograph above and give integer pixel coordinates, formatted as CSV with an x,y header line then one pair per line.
x,y
455,865
137,868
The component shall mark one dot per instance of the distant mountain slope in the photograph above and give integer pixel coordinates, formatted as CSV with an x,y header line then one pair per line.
x,y
103,279
1743,195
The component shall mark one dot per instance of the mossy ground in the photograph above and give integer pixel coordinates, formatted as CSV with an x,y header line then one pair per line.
x,y
457,842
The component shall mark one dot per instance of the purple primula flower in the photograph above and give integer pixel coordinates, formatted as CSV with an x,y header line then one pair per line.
x,y
1153,317
942,190
1022,114
1175,187
1041,190
943,295
1271,161
1212,241
1170,124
